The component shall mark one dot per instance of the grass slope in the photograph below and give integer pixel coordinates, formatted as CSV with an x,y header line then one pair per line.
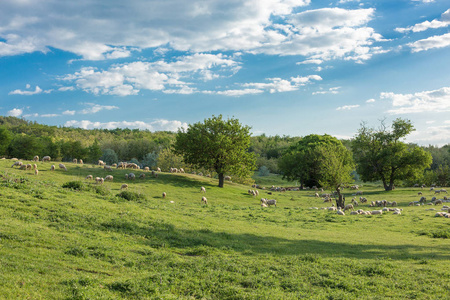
x,y
88,243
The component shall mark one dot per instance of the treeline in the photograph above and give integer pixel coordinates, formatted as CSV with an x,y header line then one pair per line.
x,y
24,139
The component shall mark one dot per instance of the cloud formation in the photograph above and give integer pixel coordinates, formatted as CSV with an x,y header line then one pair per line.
x,y
437,41
444,22
426,101
15,112
347,107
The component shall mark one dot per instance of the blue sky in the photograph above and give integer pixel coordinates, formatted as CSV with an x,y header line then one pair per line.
x,y
286,67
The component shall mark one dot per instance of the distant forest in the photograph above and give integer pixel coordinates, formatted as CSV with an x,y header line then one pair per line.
x,y
24,139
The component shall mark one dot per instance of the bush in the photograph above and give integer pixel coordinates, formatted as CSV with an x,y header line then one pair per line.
x,y
74,185
263,171
150,160
109,157
131,196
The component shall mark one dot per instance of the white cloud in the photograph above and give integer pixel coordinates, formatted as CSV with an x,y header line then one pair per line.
x,y
242,92
437,41
15,112
129,79
346,1
347,107
157,125
434,135
310,61
444,22
436,101
333,90
371,101
424,1
68,112
49,115
95,108
36,91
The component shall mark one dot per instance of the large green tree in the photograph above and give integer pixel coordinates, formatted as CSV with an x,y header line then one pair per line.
x,y
381,155
320,160
217,144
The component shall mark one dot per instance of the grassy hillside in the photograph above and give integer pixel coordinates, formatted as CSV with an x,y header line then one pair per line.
x,y
88,243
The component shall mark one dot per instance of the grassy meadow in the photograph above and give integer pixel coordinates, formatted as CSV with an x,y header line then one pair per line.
x,y
86,242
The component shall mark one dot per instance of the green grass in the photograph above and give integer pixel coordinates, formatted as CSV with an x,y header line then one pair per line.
x,y
84,241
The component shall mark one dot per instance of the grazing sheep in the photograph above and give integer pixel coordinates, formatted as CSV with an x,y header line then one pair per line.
x,y
272,202
394,203
332,208
52,168
80,161
23,167
107,168
354,213
202,189
34,166
354,202
376,212
99,180
359,193
340,212
437,192
263,205
419,194
101,163
164,194
263,200
124,186
146,169
227,178
349,206
131,176
36,158
444,191
423,199
62,166
181,170
75,160
36,171
142,176
109,178
316,195
158,169
17,163
204,200
363,199
89,177
437,202
46,158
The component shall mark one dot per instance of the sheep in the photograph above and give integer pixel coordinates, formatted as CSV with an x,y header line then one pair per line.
x,y
354,213
89,177
158,169
17,163
142,176
100,163
62,166
419,194
52,168
181,170
349,206
164,194
23,167
227,178
354,202
107,168
359,193
340,212
80,161
75,160
36,172
423,199
272,202
394,203
28,166
124,186
146,169
437,192
376,212
204,200
46,158
36,158
316,195
202,189
263,200
109,178
332,208
439,201
121,165
99,180
34,166
263,205
131,176
363,199
444,191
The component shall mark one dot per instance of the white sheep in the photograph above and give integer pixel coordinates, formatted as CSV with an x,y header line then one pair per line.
x,y
316,195
146,169
17,163
99,180
202,189
340,212
75,160
131,176
34,166
109,178
36,172
142,176
158,169
204,200
101,163
89,177
52,168
62,166
164,194
46,158
376,212
80,161
349,206
107,168
124,186
36,158
271,202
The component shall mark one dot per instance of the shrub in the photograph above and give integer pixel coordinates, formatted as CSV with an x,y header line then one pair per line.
x,y
131,196
109,157
74,185
263,171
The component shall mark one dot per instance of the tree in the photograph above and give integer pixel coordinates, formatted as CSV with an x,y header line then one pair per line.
x,y
5,139
318,160
380,155
109,157
217,144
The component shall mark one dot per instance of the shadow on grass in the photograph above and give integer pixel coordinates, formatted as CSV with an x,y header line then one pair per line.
x,y
158,234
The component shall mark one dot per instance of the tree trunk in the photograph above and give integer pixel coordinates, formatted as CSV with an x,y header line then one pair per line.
x,y
221,179
340,201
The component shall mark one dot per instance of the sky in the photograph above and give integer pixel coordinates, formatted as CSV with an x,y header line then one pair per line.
x,y
283,67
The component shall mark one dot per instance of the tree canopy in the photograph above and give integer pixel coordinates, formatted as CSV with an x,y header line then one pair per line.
x,y
217,144
318,160
381,155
